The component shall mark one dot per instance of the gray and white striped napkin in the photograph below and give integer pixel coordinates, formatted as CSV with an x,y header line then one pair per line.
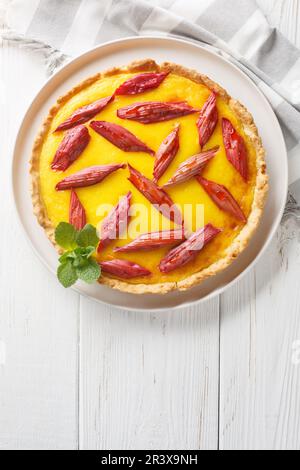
x,y
235,28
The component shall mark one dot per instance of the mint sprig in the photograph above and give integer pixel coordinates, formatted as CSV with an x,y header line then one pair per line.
x,y
77,262
65,236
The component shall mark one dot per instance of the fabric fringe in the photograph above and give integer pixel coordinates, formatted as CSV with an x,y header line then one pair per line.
x,y
292,210
53,57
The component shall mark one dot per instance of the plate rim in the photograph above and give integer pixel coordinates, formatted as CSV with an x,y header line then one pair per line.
x,y
129,39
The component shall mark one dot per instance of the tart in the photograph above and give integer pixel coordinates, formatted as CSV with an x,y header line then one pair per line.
x,y
144,135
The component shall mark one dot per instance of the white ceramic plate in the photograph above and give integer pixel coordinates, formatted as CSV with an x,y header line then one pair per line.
x,y
189,55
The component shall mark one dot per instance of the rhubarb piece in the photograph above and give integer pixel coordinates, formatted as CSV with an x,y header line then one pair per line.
x,y
192,167
70,148
157,196
150,241
141,83
189,249
124,269
208,119
116,223
222,198
77,215
235,147
166,154
151,112
88,176
120,137
84,114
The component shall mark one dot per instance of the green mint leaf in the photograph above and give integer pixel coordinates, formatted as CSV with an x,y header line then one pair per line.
x,y
77,262
81,255
87,237
89,251
89,272
66,274
65,236
84,252
68,255
64,258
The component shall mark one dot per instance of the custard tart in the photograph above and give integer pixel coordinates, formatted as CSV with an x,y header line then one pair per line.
x,y
168,167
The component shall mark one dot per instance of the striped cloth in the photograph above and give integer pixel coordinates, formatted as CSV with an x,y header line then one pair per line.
x,y
234,28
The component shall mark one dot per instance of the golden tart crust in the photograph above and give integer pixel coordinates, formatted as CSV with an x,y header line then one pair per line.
x,y
260,191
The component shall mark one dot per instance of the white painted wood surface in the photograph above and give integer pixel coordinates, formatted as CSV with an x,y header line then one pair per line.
x,y
38,321
260,322
74,374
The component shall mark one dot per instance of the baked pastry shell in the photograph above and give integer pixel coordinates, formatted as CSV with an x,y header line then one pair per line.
x,y
260,193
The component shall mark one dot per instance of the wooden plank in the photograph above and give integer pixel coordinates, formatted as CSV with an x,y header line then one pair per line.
x,y
260,327
38,319
283,14
289,20
149,381
259,399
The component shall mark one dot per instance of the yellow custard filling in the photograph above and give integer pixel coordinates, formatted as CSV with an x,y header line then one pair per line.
x,y
101,152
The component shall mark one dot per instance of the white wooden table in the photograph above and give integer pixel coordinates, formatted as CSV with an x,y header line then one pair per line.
x,y
74,374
